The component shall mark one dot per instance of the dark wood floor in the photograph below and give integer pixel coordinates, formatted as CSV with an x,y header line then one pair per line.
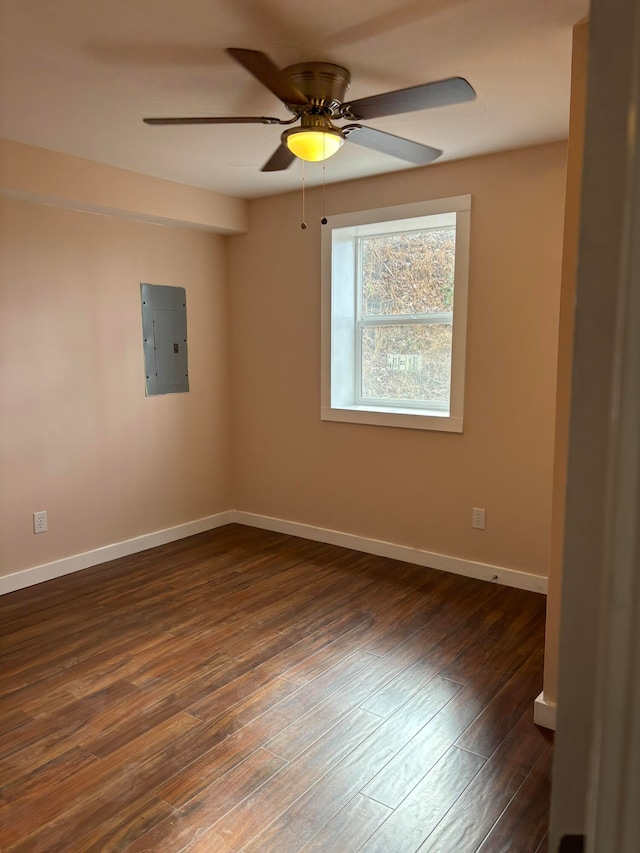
x,y
248,691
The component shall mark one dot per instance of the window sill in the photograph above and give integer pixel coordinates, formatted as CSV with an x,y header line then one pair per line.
x,y
405,418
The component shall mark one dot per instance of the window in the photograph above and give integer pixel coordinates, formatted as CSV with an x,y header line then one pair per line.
x,y
394,315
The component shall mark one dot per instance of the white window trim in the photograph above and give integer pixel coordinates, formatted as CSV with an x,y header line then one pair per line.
x,y
403,415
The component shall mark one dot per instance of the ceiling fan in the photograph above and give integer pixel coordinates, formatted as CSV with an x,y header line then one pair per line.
x,y
314,92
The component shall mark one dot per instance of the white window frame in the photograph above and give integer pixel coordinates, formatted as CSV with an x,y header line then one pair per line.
x,y
342,324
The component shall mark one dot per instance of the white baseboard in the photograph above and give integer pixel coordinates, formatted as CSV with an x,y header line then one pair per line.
x,y
48,571
442,562
456,565
544,713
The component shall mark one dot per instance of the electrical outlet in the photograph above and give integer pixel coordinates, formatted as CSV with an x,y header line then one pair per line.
x,y
478,518
40,522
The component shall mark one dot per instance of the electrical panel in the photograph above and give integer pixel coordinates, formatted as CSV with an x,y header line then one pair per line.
x,y
164,332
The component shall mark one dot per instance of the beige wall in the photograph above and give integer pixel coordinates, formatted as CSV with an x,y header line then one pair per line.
x,y
565,353
78,437
409,487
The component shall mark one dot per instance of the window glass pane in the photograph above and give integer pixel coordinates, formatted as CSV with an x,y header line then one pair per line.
x,y
408,362
409,273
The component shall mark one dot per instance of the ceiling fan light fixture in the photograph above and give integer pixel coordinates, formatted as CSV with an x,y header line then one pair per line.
x,y
315,93
313,144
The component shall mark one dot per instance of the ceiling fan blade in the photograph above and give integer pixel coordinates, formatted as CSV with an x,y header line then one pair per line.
x,y
269,75
387,143
217,120
280,160
440,93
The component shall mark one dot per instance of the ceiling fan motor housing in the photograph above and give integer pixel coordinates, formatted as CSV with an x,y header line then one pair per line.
x,y
323,83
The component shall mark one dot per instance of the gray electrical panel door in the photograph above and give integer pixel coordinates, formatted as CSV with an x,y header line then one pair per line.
x,y
164,330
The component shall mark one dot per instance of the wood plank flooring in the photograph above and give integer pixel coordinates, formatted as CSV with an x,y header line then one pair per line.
x,y
249,692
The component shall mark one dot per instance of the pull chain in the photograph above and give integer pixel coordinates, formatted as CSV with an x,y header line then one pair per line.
x,y
324,186
303,224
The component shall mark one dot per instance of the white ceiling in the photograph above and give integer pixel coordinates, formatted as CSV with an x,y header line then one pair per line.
x,y
78,75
